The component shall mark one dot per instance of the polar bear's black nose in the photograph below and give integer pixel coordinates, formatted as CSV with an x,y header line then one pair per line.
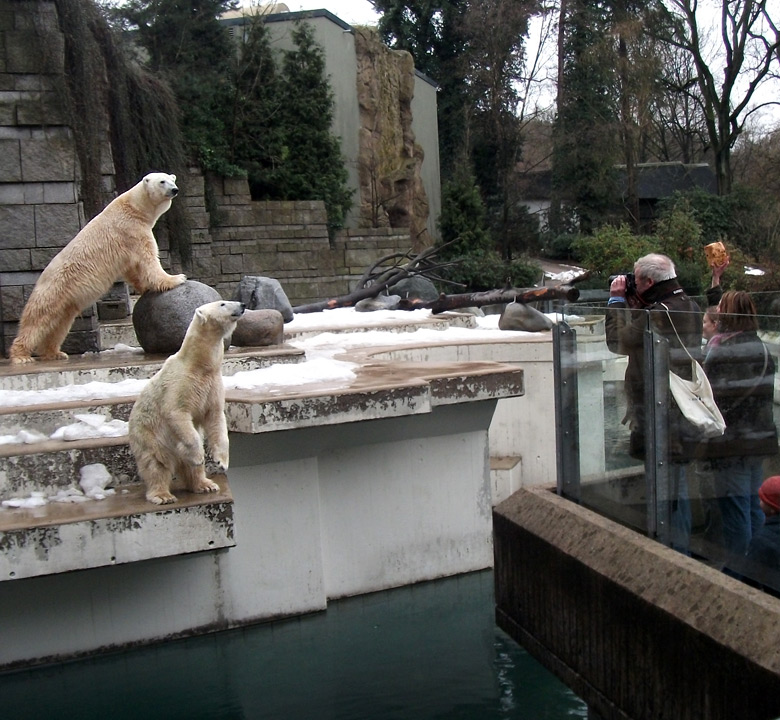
x,y
174,191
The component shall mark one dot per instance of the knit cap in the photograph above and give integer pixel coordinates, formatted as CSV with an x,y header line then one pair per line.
x,y
769,492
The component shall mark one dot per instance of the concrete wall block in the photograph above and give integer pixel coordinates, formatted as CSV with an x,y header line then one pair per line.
x,y
236,186
195,185
7,112
18,279
29,51
202,267
41,111
12,303
17,225
16,260
360,258
48,159
231,264
41,257
56,225
232,217
12,194
200,236
28,83
10,161
60,193
199,218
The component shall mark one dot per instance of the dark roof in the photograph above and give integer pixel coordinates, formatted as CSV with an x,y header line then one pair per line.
x,y
655,180
658,180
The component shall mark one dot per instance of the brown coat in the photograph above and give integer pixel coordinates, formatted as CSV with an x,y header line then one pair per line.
x,y
625,330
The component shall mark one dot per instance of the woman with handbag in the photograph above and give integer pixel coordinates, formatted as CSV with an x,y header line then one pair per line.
x,y
741,372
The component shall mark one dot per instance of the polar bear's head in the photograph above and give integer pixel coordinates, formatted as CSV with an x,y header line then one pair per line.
x,y
222,314
160,186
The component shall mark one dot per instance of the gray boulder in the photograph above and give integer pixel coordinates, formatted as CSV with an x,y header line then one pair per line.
x,y
415,288
519,316
161,319
256,328
263,293
380,302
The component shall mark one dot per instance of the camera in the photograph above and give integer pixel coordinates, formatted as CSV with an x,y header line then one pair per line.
x,y
630,282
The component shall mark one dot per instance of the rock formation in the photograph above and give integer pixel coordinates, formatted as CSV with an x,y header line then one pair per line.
x,y
389,159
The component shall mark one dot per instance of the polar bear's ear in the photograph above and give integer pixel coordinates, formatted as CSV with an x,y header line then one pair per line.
x,y
173,178
201,316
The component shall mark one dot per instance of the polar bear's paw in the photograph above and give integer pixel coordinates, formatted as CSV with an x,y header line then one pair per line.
x,y
205,486
20,359
160,497
173,281
56,355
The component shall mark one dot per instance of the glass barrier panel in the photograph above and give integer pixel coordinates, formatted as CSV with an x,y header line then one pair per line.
x,y
627,452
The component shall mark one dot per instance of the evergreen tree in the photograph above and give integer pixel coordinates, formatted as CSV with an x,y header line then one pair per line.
x,y
585,130
257,142
188,46
312,167
465,239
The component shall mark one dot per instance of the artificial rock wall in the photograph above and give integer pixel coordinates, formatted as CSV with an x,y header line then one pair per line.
x,y
389,160
41,207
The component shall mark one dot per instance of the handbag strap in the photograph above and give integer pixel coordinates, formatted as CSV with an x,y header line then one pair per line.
x,y
679,339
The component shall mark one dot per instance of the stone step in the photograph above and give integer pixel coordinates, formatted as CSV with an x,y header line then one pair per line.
x,y
122,528
55,465
116,332
115,367
45,419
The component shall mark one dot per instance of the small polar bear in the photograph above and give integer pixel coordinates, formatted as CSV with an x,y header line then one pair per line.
x,y
182,403
116,243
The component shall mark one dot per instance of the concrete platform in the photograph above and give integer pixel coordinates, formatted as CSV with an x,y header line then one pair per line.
x,y
122,528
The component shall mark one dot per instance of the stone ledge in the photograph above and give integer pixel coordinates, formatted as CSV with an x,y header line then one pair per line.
x,y
633,627
123,528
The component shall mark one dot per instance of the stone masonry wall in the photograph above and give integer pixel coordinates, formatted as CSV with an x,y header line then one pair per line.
x,y
287,241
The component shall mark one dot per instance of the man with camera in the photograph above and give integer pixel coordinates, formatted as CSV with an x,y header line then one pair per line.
x,y
653,294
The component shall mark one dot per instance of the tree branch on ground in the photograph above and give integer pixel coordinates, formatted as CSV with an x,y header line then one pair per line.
x,y
379,277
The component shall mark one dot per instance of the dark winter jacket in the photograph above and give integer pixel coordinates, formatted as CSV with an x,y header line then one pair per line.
x,y
625,331
742,374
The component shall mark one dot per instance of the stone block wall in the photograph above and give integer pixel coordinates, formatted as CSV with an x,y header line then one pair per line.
x,y
39,170
286,240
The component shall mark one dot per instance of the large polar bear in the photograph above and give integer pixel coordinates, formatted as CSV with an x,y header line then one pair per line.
x,y
184,399
116,243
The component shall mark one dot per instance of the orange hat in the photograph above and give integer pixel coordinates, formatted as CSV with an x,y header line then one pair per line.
x,y
769,492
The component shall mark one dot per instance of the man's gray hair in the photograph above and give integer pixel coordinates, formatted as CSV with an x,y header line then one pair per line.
x,y
655,267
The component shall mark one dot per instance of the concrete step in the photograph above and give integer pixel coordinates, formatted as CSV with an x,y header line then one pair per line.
x,y
506,477
45,419
55,465
115,367
122,528
116,332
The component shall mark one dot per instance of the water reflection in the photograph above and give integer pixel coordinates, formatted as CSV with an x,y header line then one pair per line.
x,y
423,652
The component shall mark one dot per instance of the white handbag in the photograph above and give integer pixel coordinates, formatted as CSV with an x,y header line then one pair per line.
x,y
694,397
696,403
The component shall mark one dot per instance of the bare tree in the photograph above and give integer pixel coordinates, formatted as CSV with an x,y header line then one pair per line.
x,y
746,52
679,131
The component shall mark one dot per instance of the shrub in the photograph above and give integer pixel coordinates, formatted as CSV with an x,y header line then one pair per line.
x,y
612,250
